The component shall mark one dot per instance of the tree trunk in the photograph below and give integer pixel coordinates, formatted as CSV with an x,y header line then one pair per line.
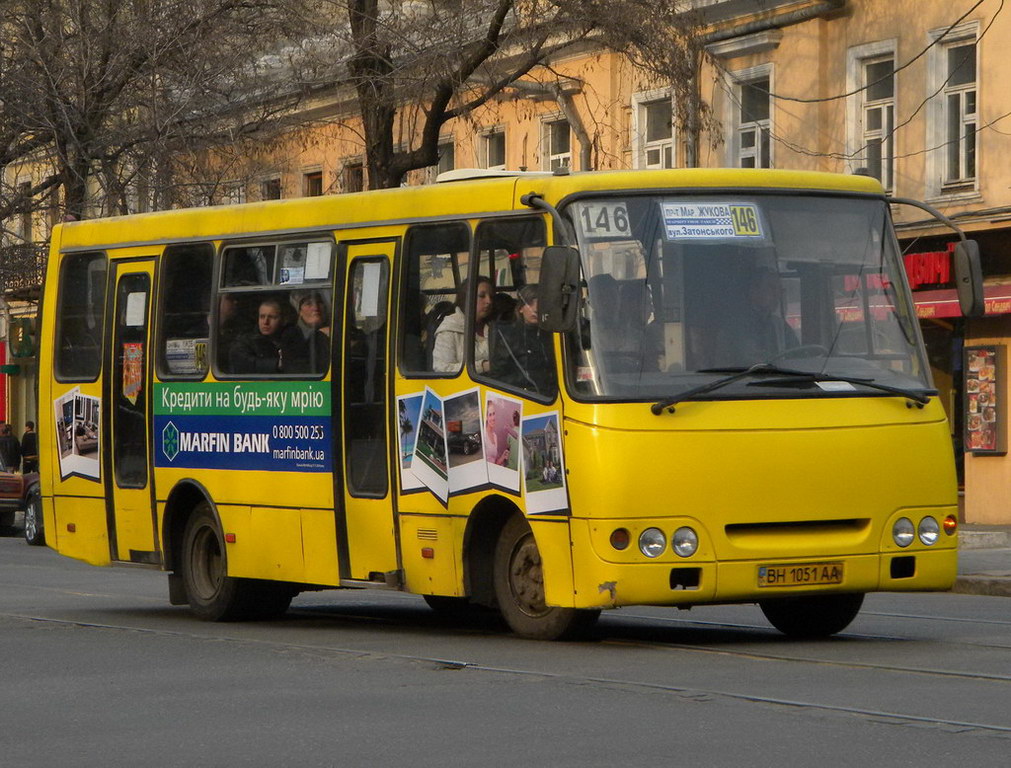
x,y
372,71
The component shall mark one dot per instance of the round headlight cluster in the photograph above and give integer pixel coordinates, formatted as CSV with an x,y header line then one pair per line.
x,y
685,542
904,533
928,530
653,541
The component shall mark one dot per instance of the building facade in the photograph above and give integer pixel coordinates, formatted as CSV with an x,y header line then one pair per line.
x,y
909,91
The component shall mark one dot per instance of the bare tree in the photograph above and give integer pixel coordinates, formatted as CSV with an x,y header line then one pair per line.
x,y
451,57
101,92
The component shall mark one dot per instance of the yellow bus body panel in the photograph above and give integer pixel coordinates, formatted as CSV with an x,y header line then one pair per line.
x,y
762,483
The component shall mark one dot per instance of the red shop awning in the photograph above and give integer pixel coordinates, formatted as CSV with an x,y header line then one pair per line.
x,y
944,301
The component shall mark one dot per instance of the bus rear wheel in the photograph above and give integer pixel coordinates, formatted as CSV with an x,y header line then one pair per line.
x,y
812,616
211,593
519,589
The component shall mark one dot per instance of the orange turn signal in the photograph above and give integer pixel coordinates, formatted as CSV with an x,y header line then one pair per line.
x,y
950,524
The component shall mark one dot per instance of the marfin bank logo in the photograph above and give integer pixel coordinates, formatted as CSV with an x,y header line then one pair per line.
x,y
170,441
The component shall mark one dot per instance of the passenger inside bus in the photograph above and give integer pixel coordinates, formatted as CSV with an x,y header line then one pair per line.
x,y
770,335
521,353
448,351
748,326
261,351
306,344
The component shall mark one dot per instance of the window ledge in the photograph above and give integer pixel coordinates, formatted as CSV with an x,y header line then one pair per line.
x,y
955,197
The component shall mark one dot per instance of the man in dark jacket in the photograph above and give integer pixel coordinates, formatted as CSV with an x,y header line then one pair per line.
x,y
10,449
260,351
30,449
521,353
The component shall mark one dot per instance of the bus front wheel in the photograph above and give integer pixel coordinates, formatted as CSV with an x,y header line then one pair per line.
x,y
519,589
812,616
211,593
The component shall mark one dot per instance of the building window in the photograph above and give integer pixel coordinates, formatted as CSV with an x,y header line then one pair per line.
x,y
655,133
558,144
753,124
447,161
25,211
959,96
447,157
270,189
312,184
878,119
233,192
353,177
495,150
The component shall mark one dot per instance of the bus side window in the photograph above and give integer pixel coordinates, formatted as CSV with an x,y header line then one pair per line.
x,y
80,309
520,354
273,315
185,310
437,262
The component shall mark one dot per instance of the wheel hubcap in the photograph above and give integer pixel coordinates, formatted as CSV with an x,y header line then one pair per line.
x,y
207,566
526,579
31,521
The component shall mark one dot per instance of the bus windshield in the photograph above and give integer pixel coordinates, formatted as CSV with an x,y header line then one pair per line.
x,y
679,290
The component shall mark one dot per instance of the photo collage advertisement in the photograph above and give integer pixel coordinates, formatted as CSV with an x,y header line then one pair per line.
x,y
460,444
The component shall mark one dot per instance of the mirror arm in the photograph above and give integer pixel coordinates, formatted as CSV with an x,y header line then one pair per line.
x,y
931,210
563,231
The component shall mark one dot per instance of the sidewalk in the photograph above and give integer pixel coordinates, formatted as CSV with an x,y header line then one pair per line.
x,y
984,560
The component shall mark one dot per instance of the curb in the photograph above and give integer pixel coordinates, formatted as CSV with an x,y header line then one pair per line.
x,y
998,586
984,539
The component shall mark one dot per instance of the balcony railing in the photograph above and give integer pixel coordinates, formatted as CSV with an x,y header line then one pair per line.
x,y
22,268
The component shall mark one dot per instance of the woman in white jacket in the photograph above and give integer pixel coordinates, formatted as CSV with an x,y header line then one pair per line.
x,y
449,351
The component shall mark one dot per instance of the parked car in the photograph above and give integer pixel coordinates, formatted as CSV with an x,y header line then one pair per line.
x,y
20,493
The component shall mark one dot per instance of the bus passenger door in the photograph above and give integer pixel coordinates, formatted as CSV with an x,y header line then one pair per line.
x,y
367,531
127,468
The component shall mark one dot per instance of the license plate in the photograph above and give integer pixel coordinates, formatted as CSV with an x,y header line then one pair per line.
x,y
800,575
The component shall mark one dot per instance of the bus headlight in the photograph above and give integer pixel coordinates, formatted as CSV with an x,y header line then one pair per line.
x,y
685,542
652,542
903,532
928,530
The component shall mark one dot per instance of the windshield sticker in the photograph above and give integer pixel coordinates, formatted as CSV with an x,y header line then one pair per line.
x,y
603,220
711,221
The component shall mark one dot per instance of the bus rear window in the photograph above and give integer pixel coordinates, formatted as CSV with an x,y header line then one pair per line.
x,y
79,312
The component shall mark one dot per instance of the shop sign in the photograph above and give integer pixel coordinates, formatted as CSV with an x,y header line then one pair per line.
x,y
985,427
929,268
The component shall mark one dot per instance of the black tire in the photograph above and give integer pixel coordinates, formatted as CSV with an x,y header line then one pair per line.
x,y
519,589
812,616
211,593
459,608
34,532
447,605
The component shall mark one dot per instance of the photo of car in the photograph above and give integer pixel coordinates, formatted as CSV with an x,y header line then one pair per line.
x,y
20,493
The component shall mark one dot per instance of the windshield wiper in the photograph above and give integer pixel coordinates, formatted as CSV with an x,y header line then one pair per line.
x,y
787,375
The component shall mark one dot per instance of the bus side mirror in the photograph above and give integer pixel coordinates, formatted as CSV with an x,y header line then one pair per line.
x,y
558,289
969,278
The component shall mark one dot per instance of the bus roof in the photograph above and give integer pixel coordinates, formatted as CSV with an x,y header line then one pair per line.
x,y
484,196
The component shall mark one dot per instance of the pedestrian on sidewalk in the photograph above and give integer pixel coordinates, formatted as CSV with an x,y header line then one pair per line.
x,y
10,449
30,449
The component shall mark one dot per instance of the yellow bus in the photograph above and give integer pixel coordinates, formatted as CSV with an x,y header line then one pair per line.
x,y
550,394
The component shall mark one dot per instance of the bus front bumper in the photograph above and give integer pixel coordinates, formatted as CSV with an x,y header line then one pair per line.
x,y
675,581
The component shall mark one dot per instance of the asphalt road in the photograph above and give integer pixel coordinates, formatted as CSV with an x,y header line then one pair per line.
x,y
98,670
